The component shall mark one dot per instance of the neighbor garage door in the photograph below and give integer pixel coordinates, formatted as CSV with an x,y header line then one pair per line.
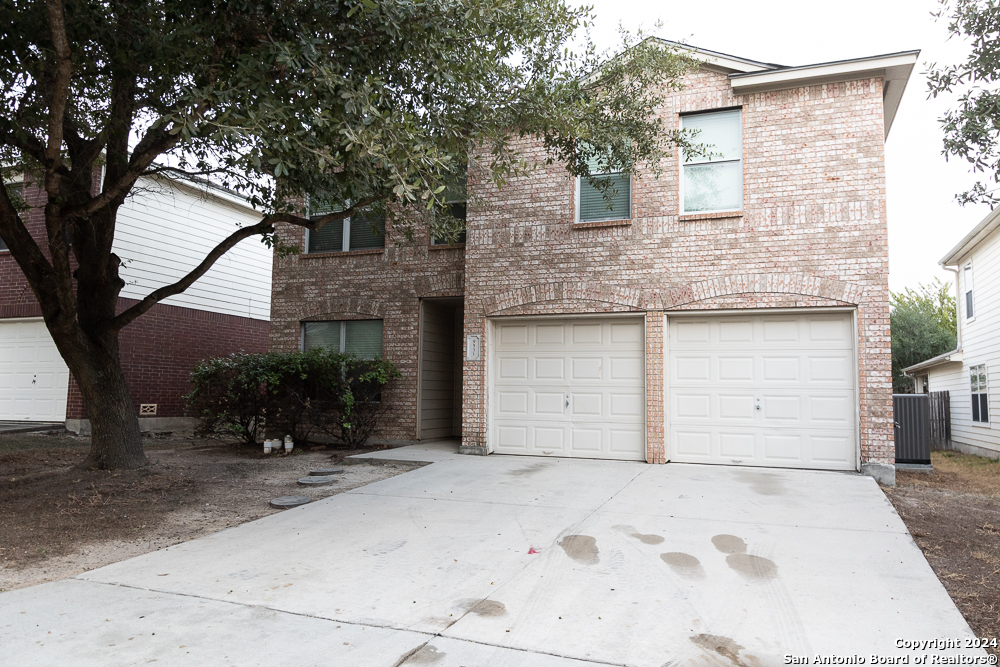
x,y
34,379
571,387
764,391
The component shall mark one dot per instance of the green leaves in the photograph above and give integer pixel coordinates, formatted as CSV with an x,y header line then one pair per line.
x,y
972,128
923,326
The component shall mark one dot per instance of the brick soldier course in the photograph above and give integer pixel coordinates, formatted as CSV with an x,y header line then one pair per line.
x,y
812,233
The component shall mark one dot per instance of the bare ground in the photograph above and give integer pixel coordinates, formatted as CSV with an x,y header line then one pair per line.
x,y
58,520
953,514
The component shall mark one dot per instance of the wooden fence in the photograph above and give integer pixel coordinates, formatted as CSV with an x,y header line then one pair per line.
x,y
940,409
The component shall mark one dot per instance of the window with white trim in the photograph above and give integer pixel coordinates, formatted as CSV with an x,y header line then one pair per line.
x,y
363,230
714,183
591,203
456,206
362,338
980,395
970,309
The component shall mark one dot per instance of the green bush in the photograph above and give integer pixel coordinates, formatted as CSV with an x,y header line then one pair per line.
x,y
298,393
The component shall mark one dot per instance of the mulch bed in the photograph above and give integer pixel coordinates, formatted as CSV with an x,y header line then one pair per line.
x,y
953,514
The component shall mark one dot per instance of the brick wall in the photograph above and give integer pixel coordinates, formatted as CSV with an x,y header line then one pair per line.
x,y
382,284
812,233
160,349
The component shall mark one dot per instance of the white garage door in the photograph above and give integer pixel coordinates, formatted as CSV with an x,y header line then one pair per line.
x,y
569,388
774,390
34,380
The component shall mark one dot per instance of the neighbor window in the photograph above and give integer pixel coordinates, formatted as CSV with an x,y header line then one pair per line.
x,y
364,229
970,310
362,338
714,183
591,203
980,400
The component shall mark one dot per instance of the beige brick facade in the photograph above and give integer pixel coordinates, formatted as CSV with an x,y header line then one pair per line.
x,y
812,233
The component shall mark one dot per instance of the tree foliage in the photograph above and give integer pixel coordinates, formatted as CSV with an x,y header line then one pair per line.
x,y
359,103
923,323
972,128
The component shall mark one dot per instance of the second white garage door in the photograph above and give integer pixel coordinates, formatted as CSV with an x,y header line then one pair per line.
x,y
569,388
775,390
34,379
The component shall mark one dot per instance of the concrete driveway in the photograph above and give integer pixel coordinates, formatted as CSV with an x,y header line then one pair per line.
x,y
635,565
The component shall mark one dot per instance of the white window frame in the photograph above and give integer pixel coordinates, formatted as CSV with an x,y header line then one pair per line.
x,y
631,201
985,374
968,291
680,161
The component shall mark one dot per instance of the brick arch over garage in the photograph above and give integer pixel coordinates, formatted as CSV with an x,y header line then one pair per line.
x,y
764,283
641,297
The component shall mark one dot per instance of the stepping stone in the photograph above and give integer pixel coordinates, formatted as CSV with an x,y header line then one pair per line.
x,y
288,502
323,472
317,481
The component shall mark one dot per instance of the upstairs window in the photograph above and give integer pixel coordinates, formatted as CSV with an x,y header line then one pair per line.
x,y
591,203
456,206
363,230
362,338
980,396
715,183
970,309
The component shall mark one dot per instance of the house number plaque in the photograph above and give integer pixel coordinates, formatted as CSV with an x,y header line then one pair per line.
x,y
473,347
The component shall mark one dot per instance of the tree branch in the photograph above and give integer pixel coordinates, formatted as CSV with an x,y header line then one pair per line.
x,y
60,85
22,246
265,226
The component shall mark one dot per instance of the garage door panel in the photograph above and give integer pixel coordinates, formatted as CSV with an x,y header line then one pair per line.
x,y
763,390
586,441
583,392
586,405
626,334
34,380
738,407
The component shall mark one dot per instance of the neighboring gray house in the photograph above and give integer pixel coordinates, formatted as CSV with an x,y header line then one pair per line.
x,y
970,372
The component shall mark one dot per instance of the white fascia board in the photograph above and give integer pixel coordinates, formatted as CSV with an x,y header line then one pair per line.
x,y
205,188
953,357
894,69
722,61
980,233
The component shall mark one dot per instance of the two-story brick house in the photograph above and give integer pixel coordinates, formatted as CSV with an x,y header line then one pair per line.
x,y
732,311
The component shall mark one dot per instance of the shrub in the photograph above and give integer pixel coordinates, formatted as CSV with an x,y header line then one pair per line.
x,y
295,393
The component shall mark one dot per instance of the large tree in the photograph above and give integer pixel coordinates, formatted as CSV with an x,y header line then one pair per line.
x,y
972,127
923,325
356,103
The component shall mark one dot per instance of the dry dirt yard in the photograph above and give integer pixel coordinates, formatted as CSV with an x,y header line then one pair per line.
x,y
953,514
58,521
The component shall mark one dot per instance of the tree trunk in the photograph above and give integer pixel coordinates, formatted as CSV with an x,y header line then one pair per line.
x,y
116,443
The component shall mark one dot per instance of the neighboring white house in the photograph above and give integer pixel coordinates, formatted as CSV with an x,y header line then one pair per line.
x,y
971,373
163,231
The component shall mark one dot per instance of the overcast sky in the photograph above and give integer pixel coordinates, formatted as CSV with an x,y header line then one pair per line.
x,y
924,219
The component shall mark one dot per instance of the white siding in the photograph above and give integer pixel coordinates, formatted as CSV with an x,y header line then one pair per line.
x,y
980,345
165,229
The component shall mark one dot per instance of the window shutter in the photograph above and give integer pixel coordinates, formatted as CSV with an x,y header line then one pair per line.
x,y
321,334
367,230
593,205
329,238
364,338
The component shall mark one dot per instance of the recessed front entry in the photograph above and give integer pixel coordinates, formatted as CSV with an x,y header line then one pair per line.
x,y
772,390
569,387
